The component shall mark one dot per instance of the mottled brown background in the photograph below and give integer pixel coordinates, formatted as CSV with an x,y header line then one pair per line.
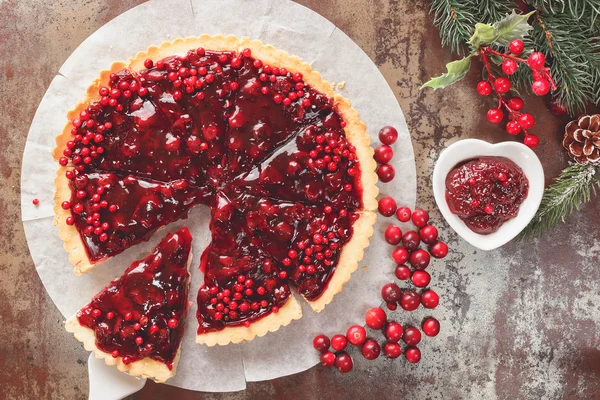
x,y
520,322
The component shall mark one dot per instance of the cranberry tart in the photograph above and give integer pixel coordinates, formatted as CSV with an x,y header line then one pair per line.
x,y
137,321
283,162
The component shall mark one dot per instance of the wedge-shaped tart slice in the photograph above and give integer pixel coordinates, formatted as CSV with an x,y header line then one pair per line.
x,y
137,321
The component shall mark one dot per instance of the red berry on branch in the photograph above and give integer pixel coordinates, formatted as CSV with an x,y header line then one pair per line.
x,y
400,255
375,318
386,206
391,293
420,218
419,259
343,362
339,342
531,141
421,278
393,235
356,335
439,250
321,343
515,103
509,66
502,84
383,154
403,214
370,349
428,234
393,332
431,326
516,46
484,88
412,336
328,359
402,272
430,299
557,108
413,355
495,115
513,127
392,350
526,121
540,87
388,135
536,60
386,173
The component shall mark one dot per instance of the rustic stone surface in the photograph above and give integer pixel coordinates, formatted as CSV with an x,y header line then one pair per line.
x,y
519,322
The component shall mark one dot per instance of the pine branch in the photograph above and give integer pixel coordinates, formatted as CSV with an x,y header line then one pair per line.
x,y
575,185
585,11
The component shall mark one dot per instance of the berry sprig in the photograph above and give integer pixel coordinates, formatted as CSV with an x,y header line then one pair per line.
x,y
542,81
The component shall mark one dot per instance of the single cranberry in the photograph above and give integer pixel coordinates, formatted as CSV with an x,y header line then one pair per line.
x,y
412,336
431,326
394,332
370,349
531,141
536,60
383,154
419,259
393,235
515,103
403,214
392,350
126,360
439,249
516,46
356,335
400,255
148,63
321,343
430,299
509,66
420,218
484,88
421,278
343,362
410,301
410,240
339,342
526,121
391,293
328,359
495,115
402,272
413,355
388,135
540,87
386,173
386,206
428,234
513,128
172,323
375,318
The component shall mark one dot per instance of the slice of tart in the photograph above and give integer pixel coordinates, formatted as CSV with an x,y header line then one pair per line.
x,y
137,321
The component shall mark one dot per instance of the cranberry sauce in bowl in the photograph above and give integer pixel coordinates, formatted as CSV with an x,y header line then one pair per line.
x,y
486,192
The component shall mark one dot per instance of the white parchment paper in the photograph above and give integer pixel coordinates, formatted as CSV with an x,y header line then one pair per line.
x,y
288,26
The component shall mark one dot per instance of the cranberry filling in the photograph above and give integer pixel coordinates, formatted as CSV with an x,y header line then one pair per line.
x,y
142,313
264,150
486,192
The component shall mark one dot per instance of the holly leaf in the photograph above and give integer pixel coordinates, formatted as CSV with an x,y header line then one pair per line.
x,y
514,26
484,34
455,71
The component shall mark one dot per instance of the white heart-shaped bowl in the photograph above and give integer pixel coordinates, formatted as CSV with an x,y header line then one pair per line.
x,y
468,149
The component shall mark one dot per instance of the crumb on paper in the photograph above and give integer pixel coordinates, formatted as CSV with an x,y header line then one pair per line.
x,y
341,85
364,268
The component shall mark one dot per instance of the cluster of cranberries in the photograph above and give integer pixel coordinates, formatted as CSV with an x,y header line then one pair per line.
x,y
384,153
517,121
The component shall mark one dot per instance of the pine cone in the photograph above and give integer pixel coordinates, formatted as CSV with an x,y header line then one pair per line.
x,y
582,139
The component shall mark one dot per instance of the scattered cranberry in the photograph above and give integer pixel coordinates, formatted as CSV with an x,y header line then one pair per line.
x,y
387,206
400,255
386,173
431,326
516,47
439,250
531,141
370,349
375,318
430,299
383,154
402,272
410,301
328,359
495,115
484,88
343,362
421,278
388,135
413,355
35,202
321,343
419,259
394,332
412,336
339,342
403,214
536,60
356,335
393,235
391,293
420,218
428,234
392,350
410,240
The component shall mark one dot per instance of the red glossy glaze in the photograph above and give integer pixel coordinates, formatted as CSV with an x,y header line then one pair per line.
x,y
264,150
486,192
142,313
